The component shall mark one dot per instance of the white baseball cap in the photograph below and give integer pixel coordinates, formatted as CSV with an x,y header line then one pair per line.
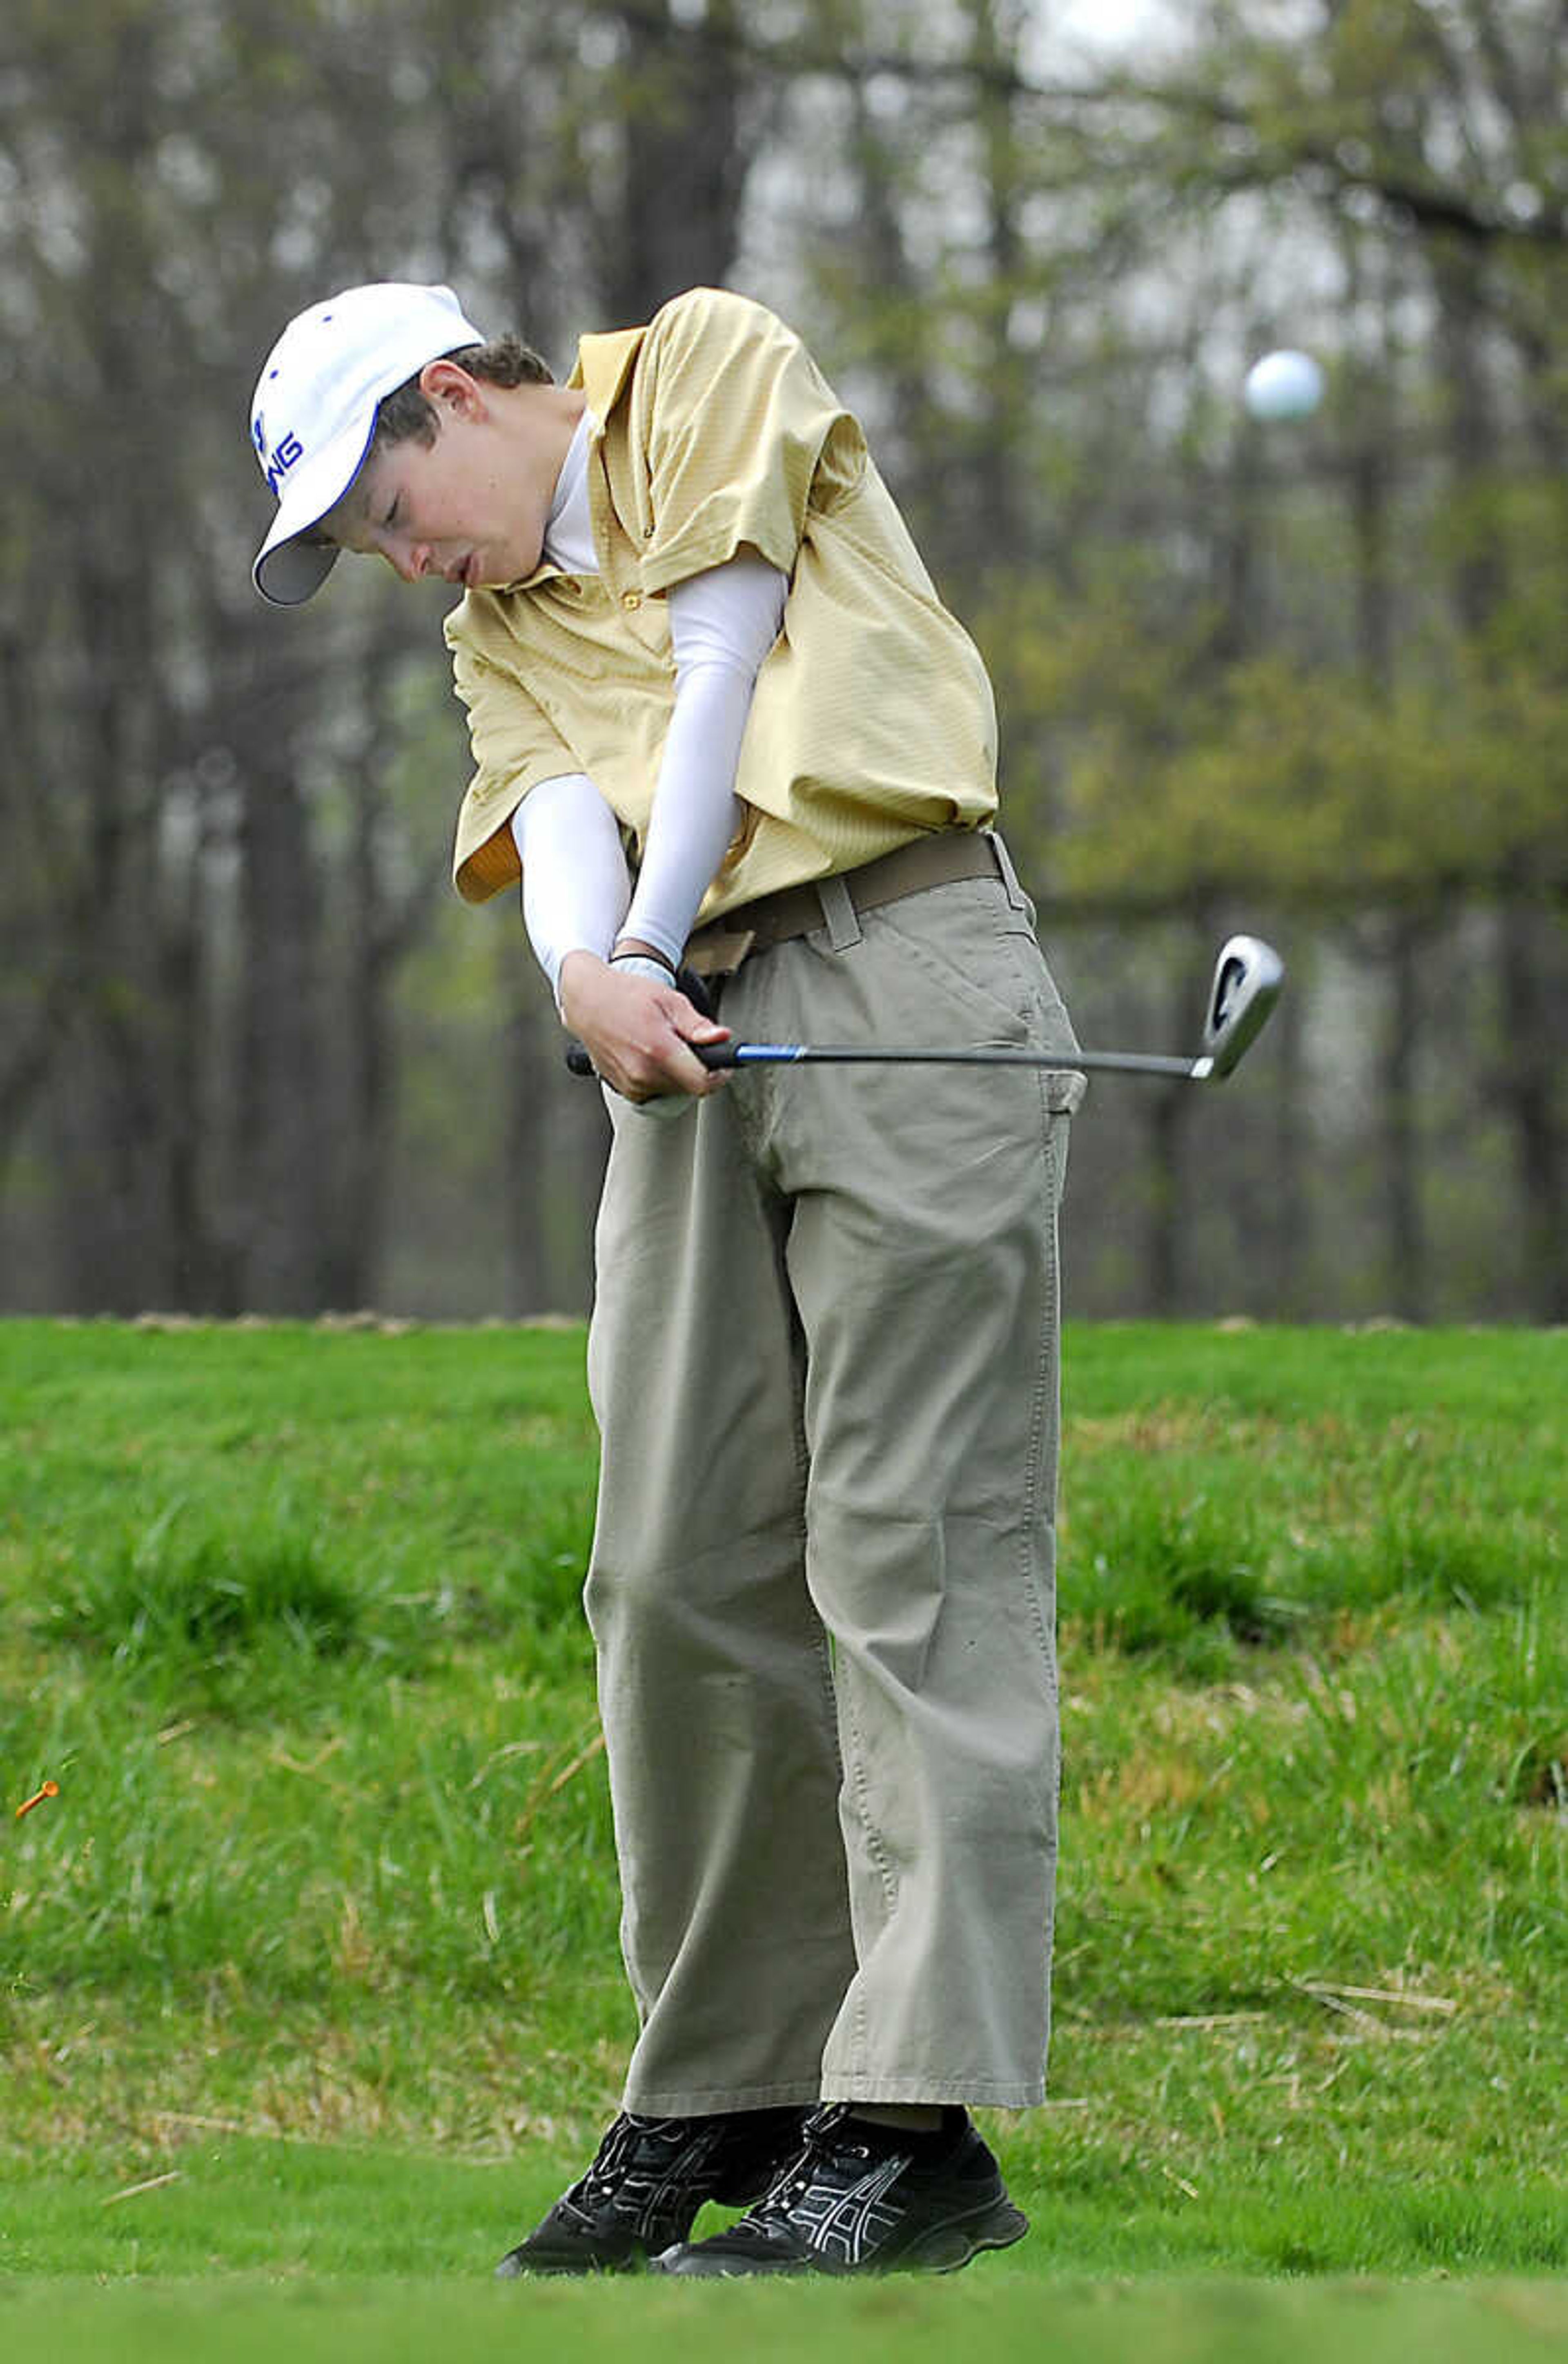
x,y
313,414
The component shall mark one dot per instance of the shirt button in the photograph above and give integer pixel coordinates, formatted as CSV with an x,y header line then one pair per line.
x,y
631,598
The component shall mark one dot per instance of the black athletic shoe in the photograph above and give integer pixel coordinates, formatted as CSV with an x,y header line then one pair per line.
x,y
861,2198
647,2182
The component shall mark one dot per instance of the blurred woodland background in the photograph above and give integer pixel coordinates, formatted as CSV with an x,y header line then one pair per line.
x,y
1308,679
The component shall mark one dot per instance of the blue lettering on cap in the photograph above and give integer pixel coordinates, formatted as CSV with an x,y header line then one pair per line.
x,y
286,453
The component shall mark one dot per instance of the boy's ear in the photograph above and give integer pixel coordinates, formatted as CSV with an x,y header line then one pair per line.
x,y
451,388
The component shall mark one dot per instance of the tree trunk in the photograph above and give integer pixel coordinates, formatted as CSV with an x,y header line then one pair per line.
x,y
1290,1282
1532,967
284,1130
684,161
532,1157
1405,1227
1166,1258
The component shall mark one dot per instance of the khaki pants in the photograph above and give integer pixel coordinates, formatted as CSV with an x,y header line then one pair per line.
x,y
824,1362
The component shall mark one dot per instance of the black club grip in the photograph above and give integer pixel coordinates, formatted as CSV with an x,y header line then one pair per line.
x,y
712,1055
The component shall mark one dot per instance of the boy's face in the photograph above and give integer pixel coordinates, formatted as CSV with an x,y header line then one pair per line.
x,y
471,508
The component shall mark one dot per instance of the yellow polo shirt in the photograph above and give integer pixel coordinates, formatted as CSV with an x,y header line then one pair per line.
x,y
873,718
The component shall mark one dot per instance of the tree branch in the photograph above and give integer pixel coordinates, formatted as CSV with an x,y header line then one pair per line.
x,y
1434,204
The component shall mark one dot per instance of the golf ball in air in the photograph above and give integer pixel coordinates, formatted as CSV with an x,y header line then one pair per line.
x,y
1284,386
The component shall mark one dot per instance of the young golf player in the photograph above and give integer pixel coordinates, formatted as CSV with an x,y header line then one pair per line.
x,y
723,727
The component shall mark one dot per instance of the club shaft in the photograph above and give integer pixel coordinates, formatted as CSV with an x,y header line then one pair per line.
x,y
798,1054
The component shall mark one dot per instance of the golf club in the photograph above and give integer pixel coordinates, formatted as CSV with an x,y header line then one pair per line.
x,y
1247,980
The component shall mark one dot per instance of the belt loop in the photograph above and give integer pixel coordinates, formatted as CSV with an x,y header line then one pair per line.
x,y
839,911
1016,896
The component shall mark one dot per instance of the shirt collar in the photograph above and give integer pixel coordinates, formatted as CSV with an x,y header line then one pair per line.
x,y
604,364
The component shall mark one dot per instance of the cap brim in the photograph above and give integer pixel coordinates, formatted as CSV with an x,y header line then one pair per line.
x,y
293,571
288,571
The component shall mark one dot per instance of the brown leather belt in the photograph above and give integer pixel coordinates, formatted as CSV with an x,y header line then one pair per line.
x,y
757,927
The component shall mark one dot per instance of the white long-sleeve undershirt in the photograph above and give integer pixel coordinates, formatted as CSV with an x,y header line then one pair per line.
x,y
576,885
577,894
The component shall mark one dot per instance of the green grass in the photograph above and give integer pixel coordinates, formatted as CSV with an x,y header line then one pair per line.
x,y
308,1975
997,2320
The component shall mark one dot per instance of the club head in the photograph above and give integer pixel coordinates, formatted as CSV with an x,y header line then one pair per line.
x,y
1247,981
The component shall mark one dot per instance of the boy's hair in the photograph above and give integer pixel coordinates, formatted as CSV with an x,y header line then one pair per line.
x,y
407,414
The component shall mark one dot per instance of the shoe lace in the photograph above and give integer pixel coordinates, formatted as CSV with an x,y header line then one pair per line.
x,y
821,2140
616,2153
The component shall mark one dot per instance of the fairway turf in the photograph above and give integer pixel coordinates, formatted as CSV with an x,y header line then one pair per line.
x,y
309,1971
994,2320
